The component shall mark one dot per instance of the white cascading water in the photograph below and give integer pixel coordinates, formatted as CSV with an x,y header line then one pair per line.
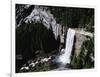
x,y
64,58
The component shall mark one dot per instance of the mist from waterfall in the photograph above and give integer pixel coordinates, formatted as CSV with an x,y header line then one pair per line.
x,y
65,54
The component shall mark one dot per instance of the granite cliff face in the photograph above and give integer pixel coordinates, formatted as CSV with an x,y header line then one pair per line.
x,y
83,51
38,14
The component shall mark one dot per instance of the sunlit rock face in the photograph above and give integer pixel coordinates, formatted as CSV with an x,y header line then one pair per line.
x,y
78,44
38,14
80,37
83,50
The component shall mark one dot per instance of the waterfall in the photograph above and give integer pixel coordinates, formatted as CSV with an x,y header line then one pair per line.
x,y
65,54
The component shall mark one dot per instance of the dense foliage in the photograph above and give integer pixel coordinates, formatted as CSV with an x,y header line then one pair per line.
x,y
32,37
74,17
